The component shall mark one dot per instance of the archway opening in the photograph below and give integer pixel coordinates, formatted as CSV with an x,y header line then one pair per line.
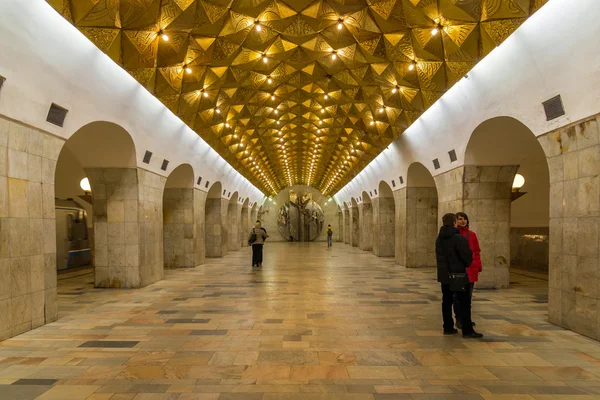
x,y
365,233
512,226
384,222
178,219
421,217
96,206
233,217
354,223
215,235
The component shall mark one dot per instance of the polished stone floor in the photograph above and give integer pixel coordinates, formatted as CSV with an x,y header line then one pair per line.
x,y
314,323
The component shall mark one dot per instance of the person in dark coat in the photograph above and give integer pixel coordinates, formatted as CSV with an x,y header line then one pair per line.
x,y
453,255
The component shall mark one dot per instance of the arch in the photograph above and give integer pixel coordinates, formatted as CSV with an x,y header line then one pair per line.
x,y
498,149
365,230
179,228
245,223
354,222
233,218
384,222
105,153
215,218
421,213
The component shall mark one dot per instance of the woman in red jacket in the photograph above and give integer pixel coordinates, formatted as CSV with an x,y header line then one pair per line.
x,y
473,271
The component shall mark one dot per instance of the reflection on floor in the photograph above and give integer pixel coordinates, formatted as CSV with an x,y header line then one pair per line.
x,y
315,323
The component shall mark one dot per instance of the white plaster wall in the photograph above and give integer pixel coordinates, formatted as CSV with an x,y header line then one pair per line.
x,y
555,51
45,59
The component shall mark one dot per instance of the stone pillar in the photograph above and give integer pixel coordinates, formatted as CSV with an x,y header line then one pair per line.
x,y
400,225
216,228
450,192
365,215
128,226
487,191
245,227
179,230
199,198
354,226
340,228
573,156
421,226
383,226
27,228
234,215
347,232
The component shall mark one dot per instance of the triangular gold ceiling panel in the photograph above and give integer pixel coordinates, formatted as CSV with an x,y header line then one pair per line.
x,y
320,71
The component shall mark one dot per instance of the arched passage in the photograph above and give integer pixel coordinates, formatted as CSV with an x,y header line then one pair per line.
x,y
384,222
498,149
347,232
245,223
215,220
420,229
178,219
128,250
354,223
234,211
365,231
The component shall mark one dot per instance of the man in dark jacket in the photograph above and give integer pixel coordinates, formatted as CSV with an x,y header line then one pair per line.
x,y
453,255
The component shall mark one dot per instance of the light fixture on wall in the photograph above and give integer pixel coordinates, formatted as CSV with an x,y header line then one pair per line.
x,y
84,184
518,183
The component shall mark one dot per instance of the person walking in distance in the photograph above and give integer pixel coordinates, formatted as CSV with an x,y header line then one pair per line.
x,y
454,256
329,236
257,240
474,269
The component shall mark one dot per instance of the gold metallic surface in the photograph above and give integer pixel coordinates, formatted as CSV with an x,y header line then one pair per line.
x,y
297,91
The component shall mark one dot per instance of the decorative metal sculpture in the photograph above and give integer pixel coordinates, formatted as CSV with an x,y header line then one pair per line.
x,y
300,219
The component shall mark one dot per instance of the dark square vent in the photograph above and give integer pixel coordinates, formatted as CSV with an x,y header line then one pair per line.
x,y
370,193
452,154
147,157
393,183
436,164
207,183
553,108
224,191
2,79
199,181
164,165
228,194
375,190
57,115
401,179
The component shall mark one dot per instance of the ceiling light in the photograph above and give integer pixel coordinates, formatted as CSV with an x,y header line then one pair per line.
x,y
227,126
434,31
382,109
340,26
164,37
265,59
394,90
188,70
269,80
372,123
277,122
320,122
326,97
276,111
279,133
411,66
272,97
333,55
205,93
257,25
322,110
217,111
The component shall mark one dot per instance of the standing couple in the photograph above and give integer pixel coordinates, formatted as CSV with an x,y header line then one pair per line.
x,y
458,266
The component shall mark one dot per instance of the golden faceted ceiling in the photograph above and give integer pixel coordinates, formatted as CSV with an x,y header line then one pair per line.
x,y
297,91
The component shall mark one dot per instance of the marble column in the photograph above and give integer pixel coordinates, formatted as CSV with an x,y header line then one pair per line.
x,y
179,230
486,200
421,226
245,227
383,226
354,226
234,215
216,243
199,198
27,228
347,232
128,226
573,155
340,228
400,225
365,215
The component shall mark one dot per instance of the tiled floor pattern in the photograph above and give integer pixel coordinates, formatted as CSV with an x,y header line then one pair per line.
x,y
315,323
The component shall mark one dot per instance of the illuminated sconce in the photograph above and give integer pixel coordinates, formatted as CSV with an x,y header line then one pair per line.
x,y
518,183
84,184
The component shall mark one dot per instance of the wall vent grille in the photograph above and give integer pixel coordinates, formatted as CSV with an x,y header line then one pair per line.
x,y
452,154
370,193
199,181
401,179
393,183
553,108
57,115
147,157
164,165
228,194
375,190
224,191
206,185
2,79
436,164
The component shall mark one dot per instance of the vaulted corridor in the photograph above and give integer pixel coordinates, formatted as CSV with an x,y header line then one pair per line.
x,y
314,323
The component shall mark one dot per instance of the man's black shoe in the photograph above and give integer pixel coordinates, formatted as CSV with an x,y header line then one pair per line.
x,y
452,332
473,335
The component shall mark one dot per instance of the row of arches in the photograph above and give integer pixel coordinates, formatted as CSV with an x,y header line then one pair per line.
x,y
138,222
512,223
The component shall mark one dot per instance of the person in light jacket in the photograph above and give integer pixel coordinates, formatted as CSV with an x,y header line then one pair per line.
x,y
260,234
462,222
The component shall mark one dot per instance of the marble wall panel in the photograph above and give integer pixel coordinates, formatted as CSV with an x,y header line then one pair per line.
x,y
199,199
421,226
384,229
347,231
354,226
179,230
365,230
